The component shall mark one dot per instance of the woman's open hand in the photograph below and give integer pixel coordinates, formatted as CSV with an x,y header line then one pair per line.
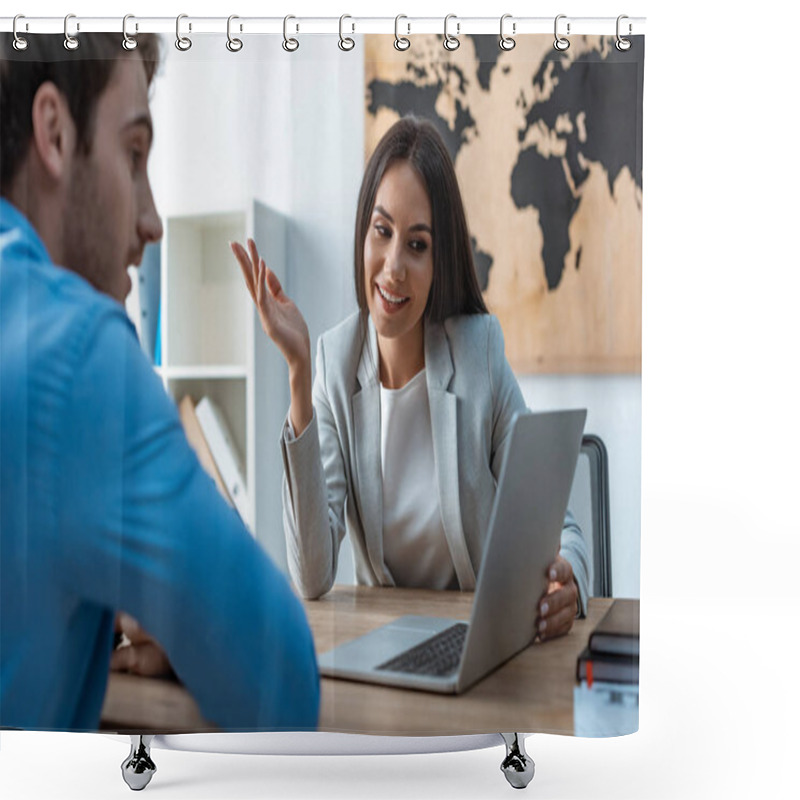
x,y
280,317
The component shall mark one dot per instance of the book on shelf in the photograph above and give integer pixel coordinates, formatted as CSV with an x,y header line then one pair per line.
x,y
617,633
194,433
225,454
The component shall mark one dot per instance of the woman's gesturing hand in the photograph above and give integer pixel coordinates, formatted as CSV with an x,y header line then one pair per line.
x,y
280,317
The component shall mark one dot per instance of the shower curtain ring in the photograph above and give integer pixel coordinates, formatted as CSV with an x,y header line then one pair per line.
x,y
128,42
449,42
234,45
346,43
506,42
182,42
70,42
561,44
622,44
400,42
20,43
289,45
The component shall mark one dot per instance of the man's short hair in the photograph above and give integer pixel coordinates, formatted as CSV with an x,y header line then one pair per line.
x,y
80,75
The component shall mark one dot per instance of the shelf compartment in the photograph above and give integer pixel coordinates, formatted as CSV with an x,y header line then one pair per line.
x,y
208,307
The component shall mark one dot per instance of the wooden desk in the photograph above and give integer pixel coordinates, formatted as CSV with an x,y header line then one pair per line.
x,y
531,692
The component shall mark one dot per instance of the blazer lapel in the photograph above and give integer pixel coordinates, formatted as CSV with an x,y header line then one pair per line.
x,y
366,408
444,428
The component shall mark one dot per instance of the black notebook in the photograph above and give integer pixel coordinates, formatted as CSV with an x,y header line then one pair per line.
x,y
618,632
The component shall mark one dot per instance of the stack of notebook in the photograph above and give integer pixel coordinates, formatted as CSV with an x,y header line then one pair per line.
x,y
607,697
613,651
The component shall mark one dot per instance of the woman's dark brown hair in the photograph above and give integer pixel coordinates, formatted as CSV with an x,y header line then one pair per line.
x,y
455,288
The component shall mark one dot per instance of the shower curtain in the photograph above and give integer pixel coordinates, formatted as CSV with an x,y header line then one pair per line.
x,y
251,140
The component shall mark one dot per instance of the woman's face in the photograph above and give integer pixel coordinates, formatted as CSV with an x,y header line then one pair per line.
x,y
398,253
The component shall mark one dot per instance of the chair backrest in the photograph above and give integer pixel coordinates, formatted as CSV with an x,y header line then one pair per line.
x,y
588,503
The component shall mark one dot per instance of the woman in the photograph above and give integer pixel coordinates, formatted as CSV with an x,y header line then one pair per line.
x,y
412,394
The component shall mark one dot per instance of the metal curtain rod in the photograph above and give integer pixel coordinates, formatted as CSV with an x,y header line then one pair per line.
x,y
459,26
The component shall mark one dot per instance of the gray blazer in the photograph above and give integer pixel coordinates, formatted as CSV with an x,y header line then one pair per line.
x,y
332,471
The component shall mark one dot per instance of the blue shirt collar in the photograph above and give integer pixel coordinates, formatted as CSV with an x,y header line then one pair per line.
x,y
18,236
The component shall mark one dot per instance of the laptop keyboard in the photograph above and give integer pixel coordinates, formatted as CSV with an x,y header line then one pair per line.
x,y
438,655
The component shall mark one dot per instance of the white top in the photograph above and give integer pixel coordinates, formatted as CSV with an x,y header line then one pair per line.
x,y
414,544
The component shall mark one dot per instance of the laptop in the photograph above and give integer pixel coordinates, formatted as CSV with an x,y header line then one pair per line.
x,y
447,655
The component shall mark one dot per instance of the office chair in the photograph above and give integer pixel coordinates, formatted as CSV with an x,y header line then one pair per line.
x,y
589,504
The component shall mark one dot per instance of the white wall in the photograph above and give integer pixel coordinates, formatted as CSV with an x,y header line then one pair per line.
x,y
327,90
206,121
287,130
614,406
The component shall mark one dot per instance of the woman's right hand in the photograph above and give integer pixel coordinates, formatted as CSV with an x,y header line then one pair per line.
x,y
280,317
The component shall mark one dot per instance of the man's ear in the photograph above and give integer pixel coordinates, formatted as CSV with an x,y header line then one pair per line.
x,y
54,132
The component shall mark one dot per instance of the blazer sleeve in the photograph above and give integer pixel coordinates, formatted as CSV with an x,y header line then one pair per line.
x,y
314,493
507,400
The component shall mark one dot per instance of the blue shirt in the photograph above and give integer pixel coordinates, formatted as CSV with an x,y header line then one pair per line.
x,y
104,507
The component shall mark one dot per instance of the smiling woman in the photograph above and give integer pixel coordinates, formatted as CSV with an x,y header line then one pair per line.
x,y
415,145
410,178
410,391
398,271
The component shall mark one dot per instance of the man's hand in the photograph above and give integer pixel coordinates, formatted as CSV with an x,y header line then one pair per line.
x,y
143,656
559,606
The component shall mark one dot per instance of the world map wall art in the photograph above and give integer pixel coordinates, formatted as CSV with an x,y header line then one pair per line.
x,y
548,151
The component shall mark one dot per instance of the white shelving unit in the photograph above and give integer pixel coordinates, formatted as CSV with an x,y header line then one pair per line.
x,y
206,323
212,345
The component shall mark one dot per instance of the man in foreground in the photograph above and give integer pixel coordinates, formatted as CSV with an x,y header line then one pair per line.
x,y
103,504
